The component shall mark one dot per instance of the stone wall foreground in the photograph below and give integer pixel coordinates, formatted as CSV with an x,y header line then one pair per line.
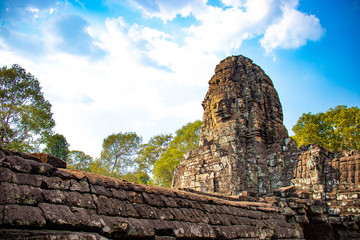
x,y
39,201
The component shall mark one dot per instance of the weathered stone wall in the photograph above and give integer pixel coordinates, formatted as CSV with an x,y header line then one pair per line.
x,y
244,145
39,201
332,179
317,217
245,151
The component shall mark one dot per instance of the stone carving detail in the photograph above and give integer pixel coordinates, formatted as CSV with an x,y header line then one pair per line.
x,y
243,144
245,150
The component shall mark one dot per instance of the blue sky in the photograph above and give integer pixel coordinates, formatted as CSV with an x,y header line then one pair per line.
x,y
113,66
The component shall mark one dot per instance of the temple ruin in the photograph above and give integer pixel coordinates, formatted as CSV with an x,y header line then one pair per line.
x,y
247,180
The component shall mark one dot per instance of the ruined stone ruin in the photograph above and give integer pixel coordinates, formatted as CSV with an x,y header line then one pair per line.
x,y
247,180
245,151
244,145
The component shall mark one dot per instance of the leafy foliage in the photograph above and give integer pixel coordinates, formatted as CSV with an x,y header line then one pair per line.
x,y
79,160
186,139
337,129
137,176
57,146
100,167
120,150
151,151
25,116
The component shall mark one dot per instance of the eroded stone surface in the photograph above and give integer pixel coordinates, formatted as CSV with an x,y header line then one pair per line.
x,y
245,152
69,204
51,160
244,145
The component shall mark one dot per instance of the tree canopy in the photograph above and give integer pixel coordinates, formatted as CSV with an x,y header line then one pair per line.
x,y
120,150
186,139
57,146
25,116
151,151
79,160
337,129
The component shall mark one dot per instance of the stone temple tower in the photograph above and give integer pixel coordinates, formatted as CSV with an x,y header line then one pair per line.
x,y
244,145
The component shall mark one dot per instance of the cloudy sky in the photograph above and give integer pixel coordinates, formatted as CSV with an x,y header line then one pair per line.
x,y
110,66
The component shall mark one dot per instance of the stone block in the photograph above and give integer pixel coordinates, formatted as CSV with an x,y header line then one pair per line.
x,y
83,200
288,211
301,219
317,209
135,197
87,218
28,179
319,218
284,192
79,186
169,201
145,211
28,195
335,220
41,168
47,234
100,190
51,160
2,207
55,183
7,191
304,194
139,228
272,199
163,214
108,206
129,211
17,215
114,227
6,175
119,194
54,196
18,164
58,215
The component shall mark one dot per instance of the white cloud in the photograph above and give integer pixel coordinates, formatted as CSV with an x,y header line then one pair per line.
x,y
34,11
293,30
168,10
92,99
224,29
129,90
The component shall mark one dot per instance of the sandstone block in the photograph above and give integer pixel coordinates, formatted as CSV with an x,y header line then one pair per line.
x,y
17,215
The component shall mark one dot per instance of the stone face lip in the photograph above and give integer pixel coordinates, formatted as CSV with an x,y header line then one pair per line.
x,y
243,141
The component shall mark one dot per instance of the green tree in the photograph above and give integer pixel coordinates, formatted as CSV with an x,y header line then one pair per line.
x,y
100,167
120,150
79,160
337,129
25,116
57,146
151,151
137,177
186,139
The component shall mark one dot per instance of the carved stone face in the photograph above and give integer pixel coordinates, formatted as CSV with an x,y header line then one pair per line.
x,y
220,109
